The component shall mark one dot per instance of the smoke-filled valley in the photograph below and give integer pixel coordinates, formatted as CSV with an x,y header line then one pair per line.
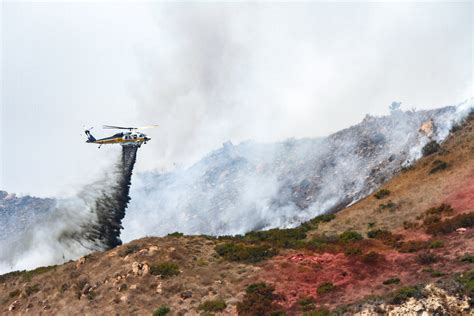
x,y
232,190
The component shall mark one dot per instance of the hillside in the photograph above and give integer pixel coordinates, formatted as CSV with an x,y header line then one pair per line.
x,y
244,187
407,248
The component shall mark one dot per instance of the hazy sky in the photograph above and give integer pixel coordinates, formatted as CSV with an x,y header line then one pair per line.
x,y
211,72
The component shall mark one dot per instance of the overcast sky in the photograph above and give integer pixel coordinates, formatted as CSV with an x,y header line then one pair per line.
x,y
211,72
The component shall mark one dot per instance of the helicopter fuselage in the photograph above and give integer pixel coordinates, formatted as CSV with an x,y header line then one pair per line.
x,y
124,139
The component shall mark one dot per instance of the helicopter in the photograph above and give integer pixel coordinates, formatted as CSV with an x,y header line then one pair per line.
x,y
132,138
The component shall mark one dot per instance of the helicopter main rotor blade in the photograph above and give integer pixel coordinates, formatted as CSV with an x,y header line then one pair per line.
x,y
147,127
117,127
128,128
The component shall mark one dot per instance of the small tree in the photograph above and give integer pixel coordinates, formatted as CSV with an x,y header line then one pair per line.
x,y
395,106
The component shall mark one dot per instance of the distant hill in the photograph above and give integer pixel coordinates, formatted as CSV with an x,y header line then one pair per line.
x,y
405,248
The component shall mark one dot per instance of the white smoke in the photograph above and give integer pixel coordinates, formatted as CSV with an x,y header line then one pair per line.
x,y
252,186
72,227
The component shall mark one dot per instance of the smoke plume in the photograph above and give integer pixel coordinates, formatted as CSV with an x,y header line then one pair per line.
x,y
71,227
239,188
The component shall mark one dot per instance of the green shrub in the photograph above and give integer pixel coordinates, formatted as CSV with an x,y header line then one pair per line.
x,y
409,225
400,296
443,208
63,288
162,311
14,293
385,236
164,269
391,281
217,305
426,258
467,280
26,275
467,258
352,251
350,236
282,238
246,253
412,246
324,288
431,148
319,312
175,234
388,206
382,193
434,273
321,243
324,218
29,290
259,299
373,258
91,295
451,224
307,304
436,244
131,249
431,219
123,287
378,233
438,165
437,274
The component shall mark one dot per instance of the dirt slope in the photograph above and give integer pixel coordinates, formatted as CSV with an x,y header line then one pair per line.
x,y
317,268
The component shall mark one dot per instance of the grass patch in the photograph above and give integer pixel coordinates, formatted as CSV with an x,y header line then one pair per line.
x,y
381,194
164,269
217,305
